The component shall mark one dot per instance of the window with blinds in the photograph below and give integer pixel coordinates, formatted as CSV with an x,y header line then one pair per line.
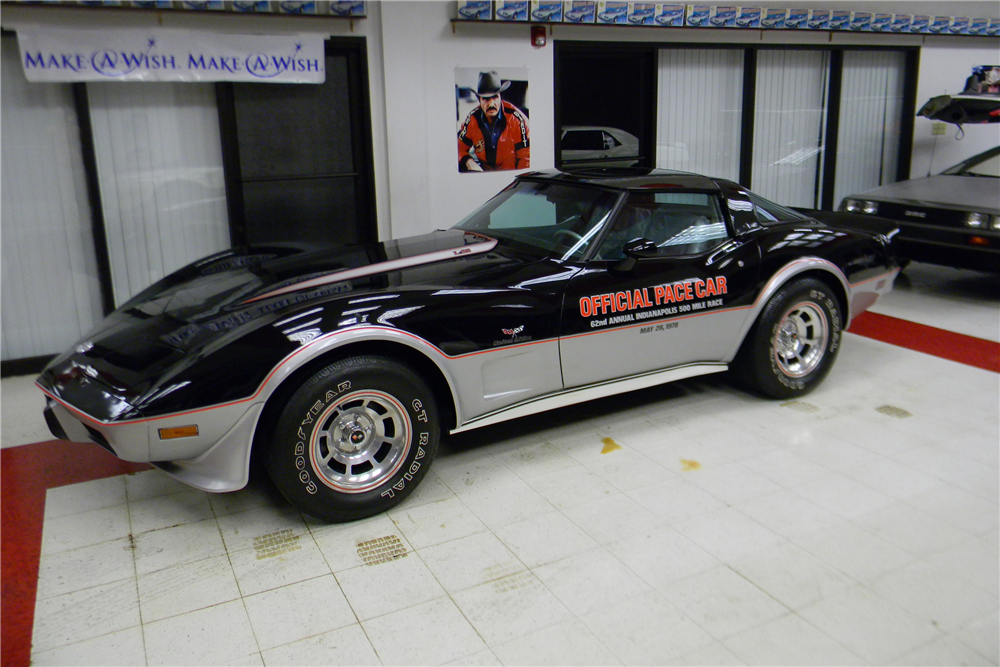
x,y
700,111
50,291
781,153
790,125
871,105
159,164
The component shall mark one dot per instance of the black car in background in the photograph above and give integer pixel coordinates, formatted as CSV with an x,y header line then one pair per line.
x,y
340,367
951,219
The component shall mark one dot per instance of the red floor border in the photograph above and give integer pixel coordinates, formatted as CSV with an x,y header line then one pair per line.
x,y
949,345
28,471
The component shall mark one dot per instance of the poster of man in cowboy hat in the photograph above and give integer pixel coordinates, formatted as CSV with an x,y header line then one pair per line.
x,y
494,133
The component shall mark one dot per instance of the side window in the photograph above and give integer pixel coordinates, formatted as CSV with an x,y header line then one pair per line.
x,y
680,223
609,141
768,212
583,140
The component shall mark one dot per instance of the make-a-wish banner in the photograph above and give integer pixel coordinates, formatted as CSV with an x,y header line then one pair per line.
x,y
169,55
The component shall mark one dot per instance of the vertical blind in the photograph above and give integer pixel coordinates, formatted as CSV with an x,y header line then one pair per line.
x,y
789,125
871,106
159,163
700,111
50,291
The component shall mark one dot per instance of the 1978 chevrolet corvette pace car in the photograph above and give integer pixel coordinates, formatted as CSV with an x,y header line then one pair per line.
x,y
341,367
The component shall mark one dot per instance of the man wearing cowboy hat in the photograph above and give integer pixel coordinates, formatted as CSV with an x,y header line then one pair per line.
x,y
494,136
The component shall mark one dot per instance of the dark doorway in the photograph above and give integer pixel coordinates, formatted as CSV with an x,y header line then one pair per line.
x,y
298,157
598,86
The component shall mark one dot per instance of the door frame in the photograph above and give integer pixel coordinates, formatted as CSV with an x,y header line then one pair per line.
x,y
647,95
356,50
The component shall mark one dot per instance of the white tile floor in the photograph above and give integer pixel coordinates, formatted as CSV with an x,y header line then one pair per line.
x,y
686,524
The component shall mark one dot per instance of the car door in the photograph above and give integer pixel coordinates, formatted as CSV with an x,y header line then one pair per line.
x,y
683,301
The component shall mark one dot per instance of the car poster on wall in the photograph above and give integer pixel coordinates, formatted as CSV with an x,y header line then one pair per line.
x,y
491,109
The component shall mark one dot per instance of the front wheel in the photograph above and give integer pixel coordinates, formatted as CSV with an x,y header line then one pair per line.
x,y
794,342
355,439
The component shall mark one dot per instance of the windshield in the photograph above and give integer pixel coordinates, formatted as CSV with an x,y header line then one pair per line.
x,y
551,217
984,164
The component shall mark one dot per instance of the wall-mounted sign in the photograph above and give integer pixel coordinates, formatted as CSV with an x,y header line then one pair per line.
x,y
169,55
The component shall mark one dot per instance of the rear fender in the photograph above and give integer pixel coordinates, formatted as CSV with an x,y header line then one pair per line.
x,y
811,265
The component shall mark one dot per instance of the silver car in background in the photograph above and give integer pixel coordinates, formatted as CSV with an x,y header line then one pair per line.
x,y
598,146
951,219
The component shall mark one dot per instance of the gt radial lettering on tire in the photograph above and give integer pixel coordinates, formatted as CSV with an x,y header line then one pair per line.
x,y
354,439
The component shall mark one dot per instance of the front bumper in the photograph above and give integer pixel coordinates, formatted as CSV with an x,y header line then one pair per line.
x,y
958,255
217,460
128,441
939,236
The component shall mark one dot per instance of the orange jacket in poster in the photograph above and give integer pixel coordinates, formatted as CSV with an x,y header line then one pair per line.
x,y
509,148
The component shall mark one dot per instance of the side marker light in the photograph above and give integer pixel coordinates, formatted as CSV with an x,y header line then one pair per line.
x,y
178,432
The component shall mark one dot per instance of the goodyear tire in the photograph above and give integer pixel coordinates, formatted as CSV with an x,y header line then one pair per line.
x,y
793,345
355,439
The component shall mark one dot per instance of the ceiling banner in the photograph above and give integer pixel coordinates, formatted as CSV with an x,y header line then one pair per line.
x,y
169,55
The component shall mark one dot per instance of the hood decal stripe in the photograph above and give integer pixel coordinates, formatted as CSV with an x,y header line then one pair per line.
x,y
485,245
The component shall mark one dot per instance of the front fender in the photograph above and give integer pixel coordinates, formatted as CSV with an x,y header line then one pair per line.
x,y
331,342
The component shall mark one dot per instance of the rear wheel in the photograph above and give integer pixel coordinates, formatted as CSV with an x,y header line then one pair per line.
x,y
355,439
794,342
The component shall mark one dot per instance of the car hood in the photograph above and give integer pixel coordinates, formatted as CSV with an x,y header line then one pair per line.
x,y
270,277
203,306
972,193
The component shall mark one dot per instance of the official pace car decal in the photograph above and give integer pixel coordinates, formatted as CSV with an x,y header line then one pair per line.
x,y
618,306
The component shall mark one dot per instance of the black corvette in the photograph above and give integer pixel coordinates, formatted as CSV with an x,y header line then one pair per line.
x,y
341,367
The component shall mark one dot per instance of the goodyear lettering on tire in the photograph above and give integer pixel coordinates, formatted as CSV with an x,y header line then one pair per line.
x,y
300,445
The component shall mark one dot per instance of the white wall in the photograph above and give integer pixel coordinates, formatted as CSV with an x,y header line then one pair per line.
x,y
945,63
426,190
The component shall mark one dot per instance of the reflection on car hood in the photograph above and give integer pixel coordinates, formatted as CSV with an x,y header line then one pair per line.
x,y
977,193
246,278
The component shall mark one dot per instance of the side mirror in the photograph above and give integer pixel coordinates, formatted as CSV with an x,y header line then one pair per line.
x,y
635,250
